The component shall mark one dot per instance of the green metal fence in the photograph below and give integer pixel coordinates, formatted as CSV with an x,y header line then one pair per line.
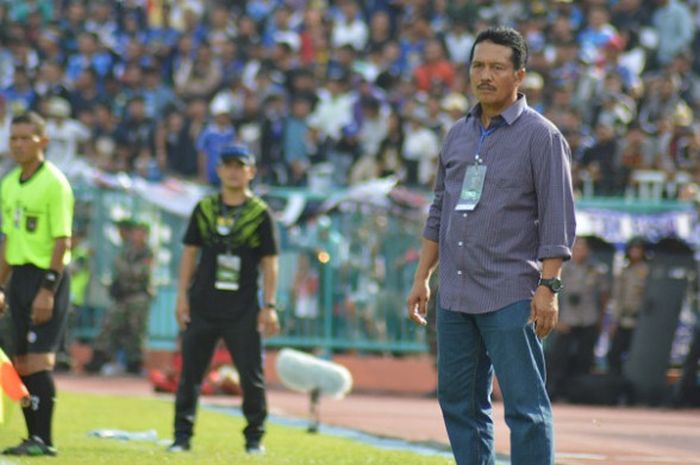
x,y
343,280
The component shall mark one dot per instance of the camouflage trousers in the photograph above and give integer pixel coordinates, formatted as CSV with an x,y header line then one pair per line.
x,y
123,328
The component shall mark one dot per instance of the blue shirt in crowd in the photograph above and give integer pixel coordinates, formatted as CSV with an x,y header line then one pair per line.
x,y
212,139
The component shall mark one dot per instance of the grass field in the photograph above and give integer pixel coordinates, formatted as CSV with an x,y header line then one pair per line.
x,y
219,439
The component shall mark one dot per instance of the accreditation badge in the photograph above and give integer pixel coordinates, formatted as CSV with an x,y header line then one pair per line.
x,y
472,187
228,271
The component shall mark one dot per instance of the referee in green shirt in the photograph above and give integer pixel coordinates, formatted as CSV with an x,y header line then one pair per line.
x,y
37,215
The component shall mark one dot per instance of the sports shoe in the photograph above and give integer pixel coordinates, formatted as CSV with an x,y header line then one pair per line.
x,y
254,448
32,447
180,445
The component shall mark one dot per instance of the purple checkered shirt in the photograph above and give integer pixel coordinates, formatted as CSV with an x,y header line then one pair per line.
x,y
489,256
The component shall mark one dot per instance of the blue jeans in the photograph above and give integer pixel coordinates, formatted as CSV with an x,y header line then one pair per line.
x,y
470,347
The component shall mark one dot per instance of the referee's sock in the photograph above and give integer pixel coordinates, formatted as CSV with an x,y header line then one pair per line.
x,y
39,414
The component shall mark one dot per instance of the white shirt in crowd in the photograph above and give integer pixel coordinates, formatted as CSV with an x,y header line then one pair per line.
x,y
64,136
421,144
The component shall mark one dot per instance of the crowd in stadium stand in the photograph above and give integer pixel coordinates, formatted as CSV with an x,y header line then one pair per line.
x,y
347,90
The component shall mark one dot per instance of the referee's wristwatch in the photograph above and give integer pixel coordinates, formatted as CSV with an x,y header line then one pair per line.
x,y
271,306
554,284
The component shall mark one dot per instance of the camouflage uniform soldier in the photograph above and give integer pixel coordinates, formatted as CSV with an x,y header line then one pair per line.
x,y
124,324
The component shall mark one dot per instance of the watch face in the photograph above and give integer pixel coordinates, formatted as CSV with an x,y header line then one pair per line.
x,y
556,285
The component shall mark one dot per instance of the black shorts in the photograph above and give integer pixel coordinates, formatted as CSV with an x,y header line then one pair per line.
x,y
24,286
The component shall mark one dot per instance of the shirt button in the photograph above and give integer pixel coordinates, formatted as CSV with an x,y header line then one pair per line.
x,y
460,243
459,272
464,215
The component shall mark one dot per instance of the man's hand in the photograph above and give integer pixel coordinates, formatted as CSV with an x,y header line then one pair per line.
x,y
182,313
544,311
268,323
42,307
417,302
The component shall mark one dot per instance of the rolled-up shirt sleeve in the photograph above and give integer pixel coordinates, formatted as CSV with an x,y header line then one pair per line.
x,y
555,198
432,224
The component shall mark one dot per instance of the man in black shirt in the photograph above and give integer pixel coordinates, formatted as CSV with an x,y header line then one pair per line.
x,y
233,235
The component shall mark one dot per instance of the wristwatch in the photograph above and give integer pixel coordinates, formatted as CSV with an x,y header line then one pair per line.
x,y
554,284
271,305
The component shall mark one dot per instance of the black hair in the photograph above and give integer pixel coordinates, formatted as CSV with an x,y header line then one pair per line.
x,y
34,119
508,37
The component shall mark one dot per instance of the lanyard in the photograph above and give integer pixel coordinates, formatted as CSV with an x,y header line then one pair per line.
x,y
226,223
484,134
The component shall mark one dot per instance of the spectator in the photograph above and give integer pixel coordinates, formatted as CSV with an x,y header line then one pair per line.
x,y
391,148
218,134
66,135
297,143
601,160
436,73
272,167
199,77
156,94
594,37
334,109
20,11
674,26
101,23
90,56
349,27
103,139
135,134
380,32
420,149
20,96
86,93
50,82
175,145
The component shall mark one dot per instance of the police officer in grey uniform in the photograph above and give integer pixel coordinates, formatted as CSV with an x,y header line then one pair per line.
x,y
582,306
628,296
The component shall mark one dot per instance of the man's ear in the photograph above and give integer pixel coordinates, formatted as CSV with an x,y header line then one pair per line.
x,y
43,142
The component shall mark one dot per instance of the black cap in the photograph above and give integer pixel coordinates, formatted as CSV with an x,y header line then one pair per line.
x,y
237,152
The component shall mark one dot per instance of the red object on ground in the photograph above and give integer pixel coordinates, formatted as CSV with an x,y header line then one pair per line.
x,y
213,383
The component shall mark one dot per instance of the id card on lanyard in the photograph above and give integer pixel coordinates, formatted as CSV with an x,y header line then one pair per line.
x,y
228,265
228,272
475,175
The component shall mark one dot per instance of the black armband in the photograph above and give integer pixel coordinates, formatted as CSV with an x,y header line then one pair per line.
x,y
51,280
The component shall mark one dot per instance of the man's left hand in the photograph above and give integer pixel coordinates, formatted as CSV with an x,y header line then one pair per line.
x,y
544,311
268,323
42,307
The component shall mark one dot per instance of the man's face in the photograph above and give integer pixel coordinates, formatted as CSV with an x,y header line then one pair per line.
x,y
235,175
26,144
494,79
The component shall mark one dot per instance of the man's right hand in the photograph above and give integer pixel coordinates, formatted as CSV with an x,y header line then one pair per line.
x,y
182,313
417,302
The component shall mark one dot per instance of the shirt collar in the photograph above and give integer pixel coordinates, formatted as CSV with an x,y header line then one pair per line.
x,y
511,113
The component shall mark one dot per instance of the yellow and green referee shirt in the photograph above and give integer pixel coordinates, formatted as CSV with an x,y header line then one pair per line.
x,y
35,212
